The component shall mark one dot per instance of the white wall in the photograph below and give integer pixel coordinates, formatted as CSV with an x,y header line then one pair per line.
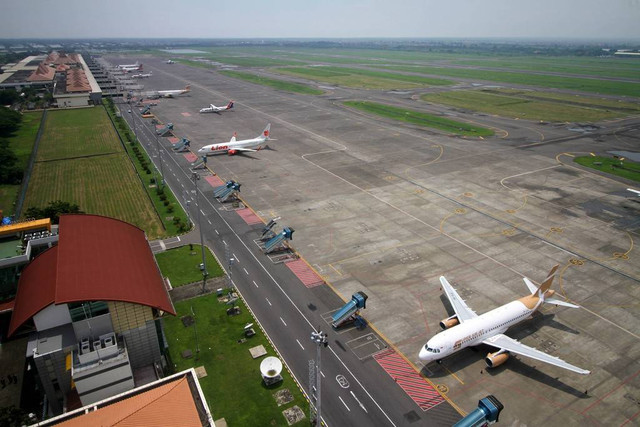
x,y
52,316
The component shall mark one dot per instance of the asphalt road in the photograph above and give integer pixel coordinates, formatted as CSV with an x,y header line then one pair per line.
x,y
288,311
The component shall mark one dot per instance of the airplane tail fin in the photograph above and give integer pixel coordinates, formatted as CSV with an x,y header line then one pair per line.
x,y
187,88
545,293
547,282
230,105
266,133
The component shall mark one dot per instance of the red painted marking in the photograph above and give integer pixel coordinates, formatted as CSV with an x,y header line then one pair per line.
x,y
214,181
248,216
186,114
190,157
308,277
173,140
425,396
160,126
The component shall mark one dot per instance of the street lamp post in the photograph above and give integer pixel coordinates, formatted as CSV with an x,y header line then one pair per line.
x,y
203,266
320,338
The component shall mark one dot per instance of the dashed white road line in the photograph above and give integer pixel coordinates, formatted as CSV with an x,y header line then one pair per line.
x,y
283,322
245,270
268,301
217,232
254,282
345,405
298,341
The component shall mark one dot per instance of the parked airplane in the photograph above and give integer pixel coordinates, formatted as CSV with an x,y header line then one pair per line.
x,y
172,93
232,147
142,75
466,328
169,61
213,109
131,67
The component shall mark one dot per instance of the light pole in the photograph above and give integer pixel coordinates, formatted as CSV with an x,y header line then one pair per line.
x,y
320,338
203,266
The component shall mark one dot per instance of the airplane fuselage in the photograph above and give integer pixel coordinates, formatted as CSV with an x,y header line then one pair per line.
x,y
475,331
231,146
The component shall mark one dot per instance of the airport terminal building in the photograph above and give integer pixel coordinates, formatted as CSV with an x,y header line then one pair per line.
x,y
66,76
92,306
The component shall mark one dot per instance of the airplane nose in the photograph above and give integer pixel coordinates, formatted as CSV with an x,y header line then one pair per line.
x,y
424,354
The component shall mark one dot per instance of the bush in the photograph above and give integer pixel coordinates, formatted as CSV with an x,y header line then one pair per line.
x,y
166,203
163,197
148,171
170,208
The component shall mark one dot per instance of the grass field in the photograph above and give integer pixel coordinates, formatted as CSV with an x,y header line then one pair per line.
x,y
600,67
103,184
233,386
182,265
533,105
585,85
77,133
21,143
419,118
625,169
274,83
358,78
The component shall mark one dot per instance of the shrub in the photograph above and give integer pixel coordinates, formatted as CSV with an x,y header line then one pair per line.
x,y
170,208
166,203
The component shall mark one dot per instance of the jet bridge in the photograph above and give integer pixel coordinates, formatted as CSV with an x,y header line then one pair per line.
x,y
219,190
182,145
200,163
267,230
229,191
278,241
146,110
166,130
349,312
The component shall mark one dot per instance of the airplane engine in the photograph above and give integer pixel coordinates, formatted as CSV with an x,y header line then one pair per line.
x,y
231,152
496,359
449,322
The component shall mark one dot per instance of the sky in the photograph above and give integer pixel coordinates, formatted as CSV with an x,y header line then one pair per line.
x,y
576,19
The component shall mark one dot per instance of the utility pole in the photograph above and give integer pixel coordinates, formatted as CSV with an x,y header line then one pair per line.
x,y
320,338
203,266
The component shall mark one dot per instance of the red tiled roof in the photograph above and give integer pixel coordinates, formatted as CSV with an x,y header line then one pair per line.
x,y
77,81
171,404
98,259
42,73
36,288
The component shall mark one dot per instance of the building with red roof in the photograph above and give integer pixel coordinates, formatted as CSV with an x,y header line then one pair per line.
x,y
93,305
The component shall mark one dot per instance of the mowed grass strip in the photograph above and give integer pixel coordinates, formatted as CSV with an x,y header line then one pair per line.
x,y
420,118
233,386
606,87
274,83
103,185
534,105
77,133
182,265
359,78
21,144
625,169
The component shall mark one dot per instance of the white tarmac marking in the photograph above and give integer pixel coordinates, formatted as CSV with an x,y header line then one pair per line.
x,y
345,405
268,301
283,322
217,232
254,282
359,403
298,341
245,270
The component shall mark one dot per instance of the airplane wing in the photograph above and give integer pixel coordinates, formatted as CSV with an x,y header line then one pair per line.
x,y
246,150
514,346
461,308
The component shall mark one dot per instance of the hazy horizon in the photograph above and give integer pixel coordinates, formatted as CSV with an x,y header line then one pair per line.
x,y
334,19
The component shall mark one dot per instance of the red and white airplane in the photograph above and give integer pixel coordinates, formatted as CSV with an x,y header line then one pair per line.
x,y
172,93
233,146
142,75
131,67
466,328
213,109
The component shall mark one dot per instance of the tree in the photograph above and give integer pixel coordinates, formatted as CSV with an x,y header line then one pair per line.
x,y
9,97
53,211
13,416
9,121
10,173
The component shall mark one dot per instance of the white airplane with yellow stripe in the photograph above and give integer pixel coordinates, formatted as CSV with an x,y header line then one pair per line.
x,y
466,328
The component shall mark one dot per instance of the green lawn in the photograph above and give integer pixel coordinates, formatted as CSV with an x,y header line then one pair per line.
x,y
274,83
533,105
103,184
420,118
21,143
233,386
169,210
182,265
77,133
559,82
359,78
625,169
